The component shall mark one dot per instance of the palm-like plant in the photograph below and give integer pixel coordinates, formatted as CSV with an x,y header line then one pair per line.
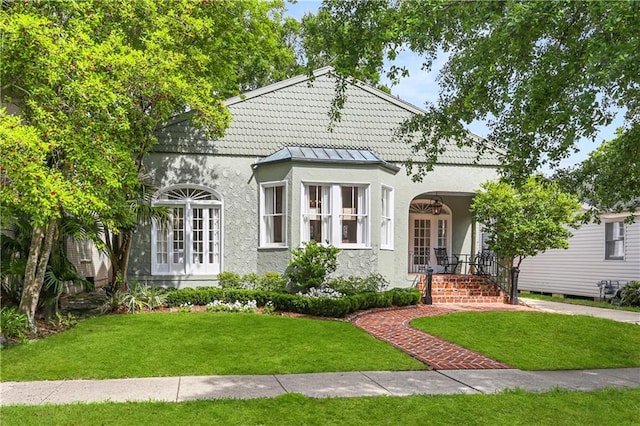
x,y
59,270
118,241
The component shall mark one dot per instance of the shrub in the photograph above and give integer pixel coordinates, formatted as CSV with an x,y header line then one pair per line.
x,y
311,264
12,324
229,280
630,294
318,302
63,322
141,296
405,296
272,281
354,285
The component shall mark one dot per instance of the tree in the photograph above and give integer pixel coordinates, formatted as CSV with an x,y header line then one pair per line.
x,y
542,74
610,175
93,81
524,221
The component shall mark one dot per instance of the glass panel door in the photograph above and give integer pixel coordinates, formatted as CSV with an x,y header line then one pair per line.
x,y
420,243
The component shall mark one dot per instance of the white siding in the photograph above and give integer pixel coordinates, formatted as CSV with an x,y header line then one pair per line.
x,y
577,270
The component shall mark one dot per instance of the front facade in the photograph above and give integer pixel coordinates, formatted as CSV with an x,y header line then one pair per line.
x,y
609,251
281,177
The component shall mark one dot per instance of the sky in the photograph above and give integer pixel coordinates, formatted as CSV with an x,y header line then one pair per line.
x,y
421,87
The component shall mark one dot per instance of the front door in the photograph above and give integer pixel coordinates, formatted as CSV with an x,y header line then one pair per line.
x,y
427,231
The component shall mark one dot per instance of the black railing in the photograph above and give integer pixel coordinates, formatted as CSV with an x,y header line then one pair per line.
x,y
418,262
484,263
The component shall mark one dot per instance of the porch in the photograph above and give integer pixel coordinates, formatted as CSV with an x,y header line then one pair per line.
x,y
463,278
462,288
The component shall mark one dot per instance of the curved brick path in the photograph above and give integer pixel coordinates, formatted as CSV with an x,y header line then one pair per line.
x,y
393,326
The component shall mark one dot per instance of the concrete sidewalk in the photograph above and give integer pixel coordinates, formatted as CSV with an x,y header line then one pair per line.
x,y
318,385
567,308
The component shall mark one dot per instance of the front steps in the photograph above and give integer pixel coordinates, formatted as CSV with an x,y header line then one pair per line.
x,y
456,288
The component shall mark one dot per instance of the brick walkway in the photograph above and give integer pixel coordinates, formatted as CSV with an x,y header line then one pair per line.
x,y
393,326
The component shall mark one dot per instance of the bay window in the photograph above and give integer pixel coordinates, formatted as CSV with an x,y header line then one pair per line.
x,y
337,214
273,215
386,216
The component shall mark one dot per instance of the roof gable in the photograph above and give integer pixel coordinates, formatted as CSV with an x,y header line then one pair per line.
x,y
296,113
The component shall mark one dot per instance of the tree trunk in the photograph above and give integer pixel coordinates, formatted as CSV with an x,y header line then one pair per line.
x,y
120,248
39,251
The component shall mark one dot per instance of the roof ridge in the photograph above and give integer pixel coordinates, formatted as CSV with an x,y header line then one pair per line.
x,y
278,85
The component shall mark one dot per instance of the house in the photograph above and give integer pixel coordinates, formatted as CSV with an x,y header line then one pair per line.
x,y
609,250
281,176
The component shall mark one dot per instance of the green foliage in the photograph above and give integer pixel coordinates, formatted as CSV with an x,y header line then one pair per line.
x,y
406,296
272,281
540,341
311,264
63,322
141,296
93,82
230,280
525,221
300,303
208,343
607,180
630,294
13,325
269,281
353,285
556,407
542,74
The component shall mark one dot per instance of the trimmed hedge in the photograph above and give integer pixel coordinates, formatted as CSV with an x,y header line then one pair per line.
x,y
323,307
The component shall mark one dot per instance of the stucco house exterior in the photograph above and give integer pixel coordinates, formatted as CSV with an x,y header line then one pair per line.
x,y
609,250
281,177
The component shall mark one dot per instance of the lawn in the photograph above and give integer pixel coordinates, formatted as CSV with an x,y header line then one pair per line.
x,y
175,344
540,341
583,302
557,407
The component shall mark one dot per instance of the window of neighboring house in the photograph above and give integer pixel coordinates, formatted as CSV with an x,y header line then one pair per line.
x,y
273,215
386,215
85,250
189,242
337,214
614,240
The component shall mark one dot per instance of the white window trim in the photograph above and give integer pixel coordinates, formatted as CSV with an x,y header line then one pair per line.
x,y
263,230
187,205
389,220
335,214
607,256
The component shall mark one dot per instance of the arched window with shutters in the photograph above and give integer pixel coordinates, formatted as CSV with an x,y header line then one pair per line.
x,y
190,242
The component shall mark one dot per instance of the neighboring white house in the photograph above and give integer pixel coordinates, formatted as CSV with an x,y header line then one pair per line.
x,y
281,177
609,250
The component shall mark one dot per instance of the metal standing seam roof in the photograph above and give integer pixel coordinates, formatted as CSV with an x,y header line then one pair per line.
x,y
327,155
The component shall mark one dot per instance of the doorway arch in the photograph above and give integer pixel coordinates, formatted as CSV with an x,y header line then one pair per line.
x,y
426,232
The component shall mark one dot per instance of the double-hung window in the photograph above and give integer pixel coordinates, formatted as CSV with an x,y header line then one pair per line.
x,y
386,218
614,240
273,215
337,214
189,241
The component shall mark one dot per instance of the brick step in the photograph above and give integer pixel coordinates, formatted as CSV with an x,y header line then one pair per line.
x,y
465,289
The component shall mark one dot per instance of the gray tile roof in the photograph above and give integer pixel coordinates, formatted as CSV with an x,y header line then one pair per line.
x,y
327,155
295,113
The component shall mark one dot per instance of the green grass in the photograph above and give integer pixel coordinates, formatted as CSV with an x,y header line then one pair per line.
x,y
605,407
583,302
165,344
540,341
